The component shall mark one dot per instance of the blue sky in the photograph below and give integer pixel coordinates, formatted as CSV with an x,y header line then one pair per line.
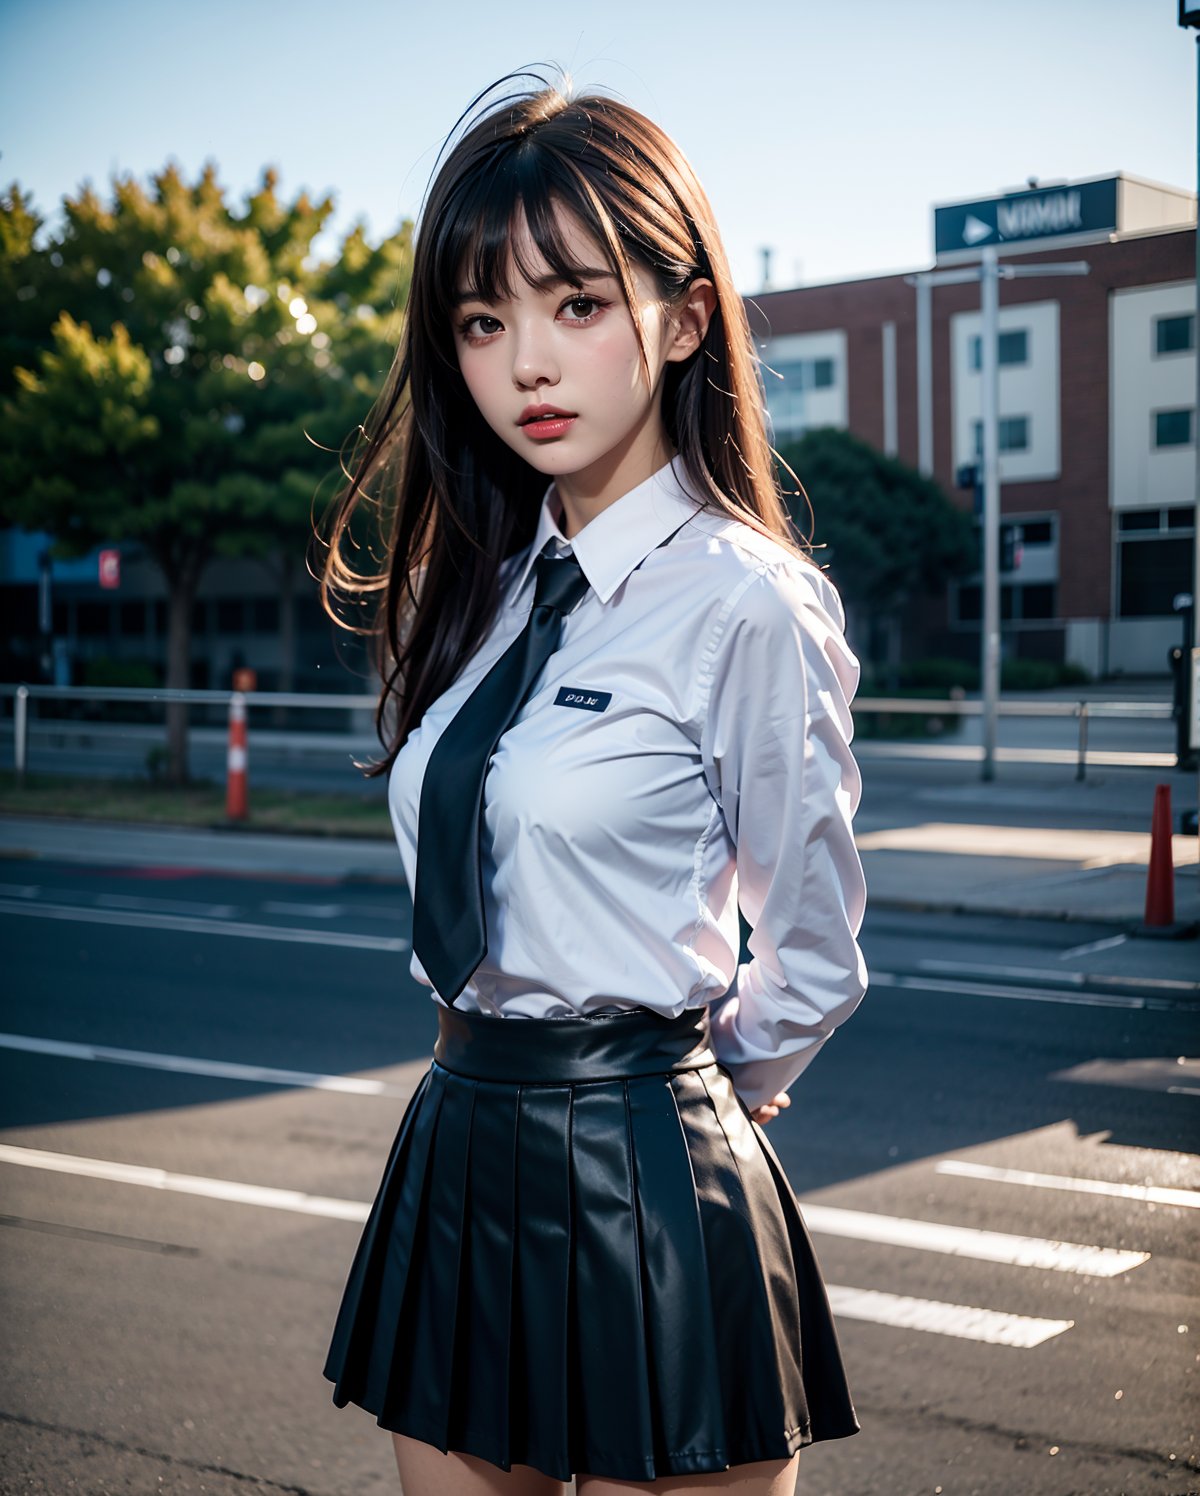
x,y
824,130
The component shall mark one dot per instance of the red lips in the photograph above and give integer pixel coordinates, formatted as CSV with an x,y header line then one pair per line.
x,y
538,412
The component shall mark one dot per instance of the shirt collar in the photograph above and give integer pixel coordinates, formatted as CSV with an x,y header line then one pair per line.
x,y
621,536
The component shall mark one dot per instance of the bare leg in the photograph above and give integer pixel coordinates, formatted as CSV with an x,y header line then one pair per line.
x,y
763,1478
426,1471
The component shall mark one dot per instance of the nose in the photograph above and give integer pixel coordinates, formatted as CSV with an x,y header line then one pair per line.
x,y
534,360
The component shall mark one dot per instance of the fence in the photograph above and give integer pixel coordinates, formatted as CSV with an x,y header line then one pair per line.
x,y
224,703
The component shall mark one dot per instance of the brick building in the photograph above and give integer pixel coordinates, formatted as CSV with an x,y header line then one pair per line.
x,y
1097,394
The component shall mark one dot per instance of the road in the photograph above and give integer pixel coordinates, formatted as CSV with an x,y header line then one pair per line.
x,y
1000,1176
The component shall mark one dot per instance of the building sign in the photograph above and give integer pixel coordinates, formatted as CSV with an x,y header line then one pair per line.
x,y
110,568
1021,217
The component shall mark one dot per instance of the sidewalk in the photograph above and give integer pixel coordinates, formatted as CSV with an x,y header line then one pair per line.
x,y
1049,873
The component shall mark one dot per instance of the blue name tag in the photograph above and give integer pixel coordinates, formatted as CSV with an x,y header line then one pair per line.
x,y
590,701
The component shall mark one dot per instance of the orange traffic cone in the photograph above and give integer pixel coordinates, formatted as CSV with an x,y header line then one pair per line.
x,y
1160,876
236,797
1159,918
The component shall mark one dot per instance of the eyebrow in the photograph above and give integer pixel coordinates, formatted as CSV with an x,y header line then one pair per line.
x,y
543,283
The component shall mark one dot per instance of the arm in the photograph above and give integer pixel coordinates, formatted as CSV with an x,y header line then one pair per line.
x,y
776,748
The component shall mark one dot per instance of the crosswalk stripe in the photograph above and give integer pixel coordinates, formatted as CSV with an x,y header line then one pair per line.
x,y
968,1241
902,1312
186,1184
183,924
962,1320
1156,1194
188,1065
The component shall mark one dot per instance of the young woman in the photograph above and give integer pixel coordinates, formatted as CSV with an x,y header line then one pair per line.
x,y
621,692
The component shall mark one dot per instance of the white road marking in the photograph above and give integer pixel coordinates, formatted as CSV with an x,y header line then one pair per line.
x,y
186,1184
1020,994
1094,945
967,1241
139,903
962,1320
182,924
188,1065
305,911
1156,1194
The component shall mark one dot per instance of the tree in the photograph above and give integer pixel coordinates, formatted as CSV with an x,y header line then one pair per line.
x,y
187,376
889,532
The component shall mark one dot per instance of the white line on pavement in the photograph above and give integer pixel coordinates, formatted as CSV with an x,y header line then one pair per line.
x,y
1021,994
182,924
186,1184
187,1065
1094,945
962,1320
967,1241
1156,1194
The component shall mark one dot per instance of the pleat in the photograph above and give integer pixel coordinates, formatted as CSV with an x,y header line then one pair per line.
x,y
830,1403
360,1344
680,1328
610,1393
480,1383
424,1351
539,1402
761,1409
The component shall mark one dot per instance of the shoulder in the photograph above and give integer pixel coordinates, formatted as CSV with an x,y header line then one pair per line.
x,y
763,582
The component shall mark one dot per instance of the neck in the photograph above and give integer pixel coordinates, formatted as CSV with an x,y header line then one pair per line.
x,y
585,494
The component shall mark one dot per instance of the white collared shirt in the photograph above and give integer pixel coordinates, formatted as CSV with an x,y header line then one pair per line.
x,y
687,746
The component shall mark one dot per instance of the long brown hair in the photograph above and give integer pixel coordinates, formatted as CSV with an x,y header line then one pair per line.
x,y
453,501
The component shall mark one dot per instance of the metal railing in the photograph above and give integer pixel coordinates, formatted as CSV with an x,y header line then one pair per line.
x,y
1082,709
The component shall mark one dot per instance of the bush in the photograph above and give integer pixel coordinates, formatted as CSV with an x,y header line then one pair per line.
x,y
105,671
935,676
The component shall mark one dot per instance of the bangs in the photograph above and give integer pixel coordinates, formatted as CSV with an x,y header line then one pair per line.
x,y
477,249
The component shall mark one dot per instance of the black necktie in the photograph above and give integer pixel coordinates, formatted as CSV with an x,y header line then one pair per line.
x,y
449,934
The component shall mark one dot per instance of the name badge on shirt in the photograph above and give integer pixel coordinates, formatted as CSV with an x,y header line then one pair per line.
x,y
589,701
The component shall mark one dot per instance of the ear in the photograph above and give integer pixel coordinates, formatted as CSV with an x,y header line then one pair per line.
x,y
690,318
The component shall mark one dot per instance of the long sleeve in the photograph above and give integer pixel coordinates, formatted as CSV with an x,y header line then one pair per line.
x,y
776,748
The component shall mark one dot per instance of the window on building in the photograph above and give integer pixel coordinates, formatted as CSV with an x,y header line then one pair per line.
x,y
1012,347
1181,517
133,617
1173,428
1152,572
1037,600
1018,602
1175,334
1037,531
93,620
802,374
1139,519
231,615
264,615
1012,431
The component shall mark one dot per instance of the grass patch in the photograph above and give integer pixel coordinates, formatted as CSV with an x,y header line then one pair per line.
x,y
201,803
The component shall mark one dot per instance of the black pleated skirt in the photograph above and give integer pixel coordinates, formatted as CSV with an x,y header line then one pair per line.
x,y
585,1256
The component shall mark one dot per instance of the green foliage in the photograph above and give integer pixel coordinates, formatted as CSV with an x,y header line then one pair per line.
x,y
935,676
888,531
182,373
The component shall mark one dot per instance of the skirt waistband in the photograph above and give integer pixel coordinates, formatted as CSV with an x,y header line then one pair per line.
x,y
597,1046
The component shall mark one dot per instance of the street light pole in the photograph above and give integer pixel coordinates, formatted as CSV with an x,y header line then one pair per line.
x,y
989,389
989,273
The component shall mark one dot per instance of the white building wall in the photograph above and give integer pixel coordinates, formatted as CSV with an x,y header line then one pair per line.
x,y
1030,389
793,411
1141,383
